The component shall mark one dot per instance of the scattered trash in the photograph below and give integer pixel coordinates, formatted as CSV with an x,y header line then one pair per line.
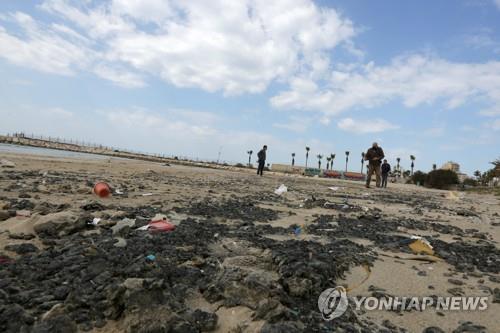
x,y
151,257
95,221
102,189
345,207
118,192
161,226
23,213
280,190
122,224
421,245
147,194
7,164
297,231
453,195
334,188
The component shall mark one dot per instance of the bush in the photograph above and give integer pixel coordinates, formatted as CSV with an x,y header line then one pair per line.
x,y
419,178
470,182
441,179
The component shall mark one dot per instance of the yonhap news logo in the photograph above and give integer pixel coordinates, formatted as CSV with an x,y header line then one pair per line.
x,y
333,303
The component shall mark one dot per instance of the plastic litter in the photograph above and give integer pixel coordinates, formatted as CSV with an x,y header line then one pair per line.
x,y
334,188
421,245
297,231
158,225
118,192
23,213
151,257
147,194
280,190
95,221
161,226
102,189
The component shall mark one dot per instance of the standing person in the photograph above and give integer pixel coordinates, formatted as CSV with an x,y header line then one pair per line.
x,y
374,156
262,160
386,168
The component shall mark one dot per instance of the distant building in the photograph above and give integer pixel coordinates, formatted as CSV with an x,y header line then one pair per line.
x,y
453,166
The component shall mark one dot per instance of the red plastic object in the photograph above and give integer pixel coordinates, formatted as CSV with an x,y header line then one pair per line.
x,y
102,189
161,226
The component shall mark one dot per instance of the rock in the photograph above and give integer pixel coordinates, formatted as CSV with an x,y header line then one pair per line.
x,y
283,327
21,236
433,329
496,295
67,222
121,225
4,215
121,242
22,248
13,318
57,324
298,287
204,321
469,327
455,282
7,164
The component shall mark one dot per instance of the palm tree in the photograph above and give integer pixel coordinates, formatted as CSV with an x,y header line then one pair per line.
x,y
328,159
346,160
250,152
293,159
434,166
477,174
319,156
412,158
332,156
307,154
362,161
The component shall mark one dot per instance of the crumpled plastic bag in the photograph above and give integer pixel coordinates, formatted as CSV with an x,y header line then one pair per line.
x,y
280,190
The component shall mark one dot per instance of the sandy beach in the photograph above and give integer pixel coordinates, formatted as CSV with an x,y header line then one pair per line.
x,y
241,259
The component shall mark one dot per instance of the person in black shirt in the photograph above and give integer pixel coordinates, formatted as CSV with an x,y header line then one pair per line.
x,y
261,155
374,156
386,168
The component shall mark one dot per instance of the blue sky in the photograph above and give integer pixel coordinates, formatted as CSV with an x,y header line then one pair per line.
x,y
192,78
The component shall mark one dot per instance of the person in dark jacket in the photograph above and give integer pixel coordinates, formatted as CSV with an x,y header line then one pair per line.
x,y
386,168
374,156
261,156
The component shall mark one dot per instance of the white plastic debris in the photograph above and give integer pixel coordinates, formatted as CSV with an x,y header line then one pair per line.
x,y
334,188
95,221
147,194
118,192
143,228
280,190
423,240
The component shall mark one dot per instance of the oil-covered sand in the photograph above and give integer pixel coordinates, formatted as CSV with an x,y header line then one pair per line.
x,y
241,259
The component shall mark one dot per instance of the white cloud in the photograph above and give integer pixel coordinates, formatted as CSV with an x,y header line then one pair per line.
x,y
413,79
295,124
494,125
42,48
58,112
491,112
497,3
119,76
365,126
185,43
